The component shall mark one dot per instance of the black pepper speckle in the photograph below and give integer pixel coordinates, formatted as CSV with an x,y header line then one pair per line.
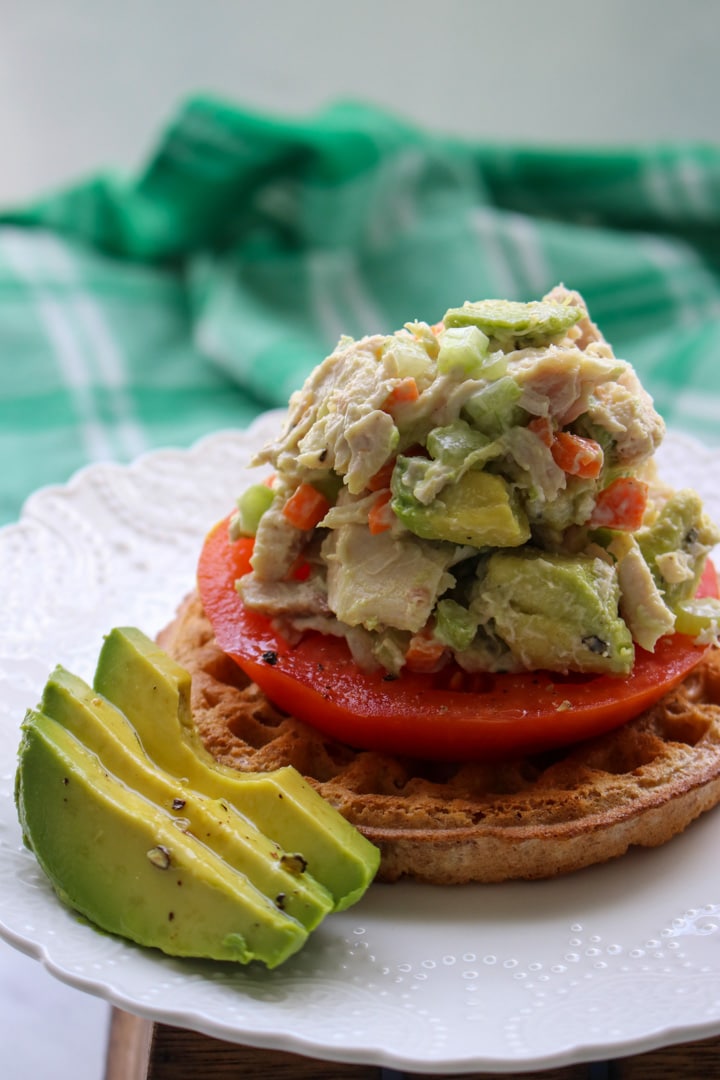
x,y
294,864
596,645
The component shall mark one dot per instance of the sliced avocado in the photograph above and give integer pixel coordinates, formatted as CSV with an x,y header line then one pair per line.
x,y
676,546
123,863
478,509
514,325
154,693
557,612
106,732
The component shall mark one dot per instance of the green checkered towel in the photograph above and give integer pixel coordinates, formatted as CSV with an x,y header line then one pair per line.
x,y
150,311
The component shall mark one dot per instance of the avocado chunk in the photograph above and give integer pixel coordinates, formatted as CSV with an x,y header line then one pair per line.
x,y
153,692
675,546
122,862
556,612
107,733
478,509
515,325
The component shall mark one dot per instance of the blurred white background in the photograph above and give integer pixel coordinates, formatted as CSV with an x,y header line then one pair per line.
x,y
87,85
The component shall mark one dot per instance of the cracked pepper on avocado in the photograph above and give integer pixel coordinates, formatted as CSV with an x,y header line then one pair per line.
x,y
482,490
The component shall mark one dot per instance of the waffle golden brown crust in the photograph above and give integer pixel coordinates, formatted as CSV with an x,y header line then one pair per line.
x,y
450,824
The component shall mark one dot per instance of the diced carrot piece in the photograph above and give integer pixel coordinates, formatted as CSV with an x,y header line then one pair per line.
x,y
300,570
424,653
542,426
269,480
405,392
457,681
438,327
380,517
621,505
306,507
382,477
576,455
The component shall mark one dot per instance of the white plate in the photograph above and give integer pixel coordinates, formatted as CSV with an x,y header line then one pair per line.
x,y
613,960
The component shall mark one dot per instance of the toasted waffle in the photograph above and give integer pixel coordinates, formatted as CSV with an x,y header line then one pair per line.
x,y
453,823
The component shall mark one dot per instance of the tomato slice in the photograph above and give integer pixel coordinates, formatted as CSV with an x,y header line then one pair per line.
x,y
424,715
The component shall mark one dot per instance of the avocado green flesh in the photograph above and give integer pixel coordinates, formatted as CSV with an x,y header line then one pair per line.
x,y
683,527
514,323
557,612
153,692
106,732
122,862
477,509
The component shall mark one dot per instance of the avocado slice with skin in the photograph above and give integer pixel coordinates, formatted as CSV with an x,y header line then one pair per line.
x,y
107,733
153,692
122,862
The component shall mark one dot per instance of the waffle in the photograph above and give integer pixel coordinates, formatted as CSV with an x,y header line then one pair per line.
x,y
454,823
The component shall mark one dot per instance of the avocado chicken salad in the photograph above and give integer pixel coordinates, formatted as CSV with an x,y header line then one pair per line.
x,y
480,491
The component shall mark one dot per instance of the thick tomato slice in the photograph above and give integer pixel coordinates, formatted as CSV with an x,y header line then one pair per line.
x,y
422,715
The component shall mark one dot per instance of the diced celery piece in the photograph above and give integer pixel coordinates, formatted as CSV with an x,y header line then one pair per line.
x,y
453,443
329,485
251,506
693,617
462,348
409,356
494,409
454,625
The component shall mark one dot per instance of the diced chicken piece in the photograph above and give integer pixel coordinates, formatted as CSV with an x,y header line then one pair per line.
x,y
359,640
675,566
295,598
277,545
349,510
625,409
381,580
323,383
336,421
560,380
368,443
584,332
532,455
641,603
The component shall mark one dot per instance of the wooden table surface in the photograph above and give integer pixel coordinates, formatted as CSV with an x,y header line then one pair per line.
x,y
141,1050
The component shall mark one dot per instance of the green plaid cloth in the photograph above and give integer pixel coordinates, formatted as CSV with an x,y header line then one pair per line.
x,y
152,310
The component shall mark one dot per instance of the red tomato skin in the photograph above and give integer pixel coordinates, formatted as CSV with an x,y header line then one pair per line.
x,y
418,715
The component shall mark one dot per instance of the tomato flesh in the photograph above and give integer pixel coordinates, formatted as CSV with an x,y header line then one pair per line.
x,y
447,716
